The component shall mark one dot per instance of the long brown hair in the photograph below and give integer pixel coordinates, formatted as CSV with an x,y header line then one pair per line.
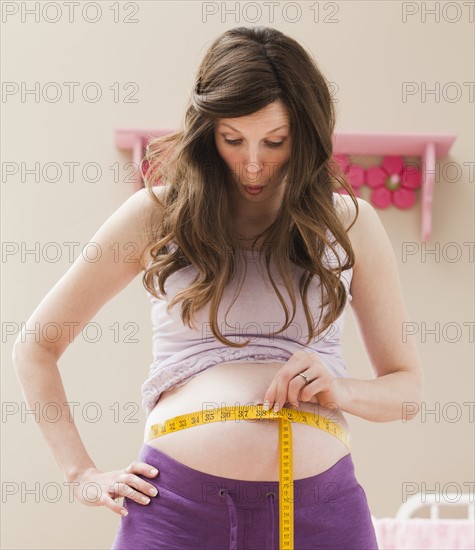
x,y
243,71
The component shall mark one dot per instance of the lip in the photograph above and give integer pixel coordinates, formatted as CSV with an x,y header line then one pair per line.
x,y
253,190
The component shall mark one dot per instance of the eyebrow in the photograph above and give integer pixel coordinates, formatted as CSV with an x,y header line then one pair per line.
x,y
270,132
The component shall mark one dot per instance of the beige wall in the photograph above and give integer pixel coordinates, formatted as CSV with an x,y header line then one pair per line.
x,y
367,50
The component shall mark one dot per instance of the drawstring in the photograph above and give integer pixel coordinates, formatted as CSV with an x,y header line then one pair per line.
x,y
234,524
232,519
270,532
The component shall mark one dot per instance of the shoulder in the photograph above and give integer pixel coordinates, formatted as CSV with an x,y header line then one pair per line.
x,y
147,213
376,289
144,194
367,230
142,206
142,201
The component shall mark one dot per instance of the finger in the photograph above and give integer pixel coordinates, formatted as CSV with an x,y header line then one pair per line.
x,y
108,502
288,379
295,390
318,389
276,395
311,390
138,467
129,490
139,485
290,386
269,396
281,394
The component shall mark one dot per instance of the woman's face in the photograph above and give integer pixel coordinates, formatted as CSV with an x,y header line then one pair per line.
x,y
256,148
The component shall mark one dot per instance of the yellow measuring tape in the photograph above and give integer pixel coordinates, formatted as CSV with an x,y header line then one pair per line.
x,y
285,417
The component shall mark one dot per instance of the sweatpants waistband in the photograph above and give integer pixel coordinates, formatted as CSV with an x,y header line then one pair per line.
x,y
327,486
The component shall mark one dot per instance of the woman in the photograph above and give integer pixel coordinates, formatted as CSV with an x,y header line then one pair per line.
x,y
249,180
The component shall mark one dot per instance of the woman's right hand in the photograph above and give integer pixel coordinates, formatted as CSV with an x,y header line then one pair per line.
x,y
93,487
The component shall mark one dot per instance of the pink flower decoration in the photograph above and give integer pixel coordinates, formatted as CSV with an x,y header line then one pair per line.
x,y
393,183
146,169
353,172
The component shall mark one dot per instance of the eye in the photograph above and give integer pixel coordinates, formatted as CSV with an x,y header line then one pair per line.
x,y
269,143
231,141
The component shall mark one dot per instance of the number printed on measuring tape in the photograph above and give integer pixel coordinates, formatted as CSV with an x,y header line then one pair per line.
x,y
285,417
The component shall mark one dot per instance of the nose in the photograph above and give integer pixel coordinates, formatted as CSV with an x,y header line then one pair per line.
x,y
253,164
253,168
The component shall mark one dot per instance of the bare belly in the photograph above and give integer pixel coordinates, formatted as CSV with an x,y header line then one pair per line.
x,y
246,450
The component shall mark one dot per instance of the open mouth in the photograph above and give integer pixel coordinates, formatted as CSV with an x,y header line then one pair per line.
x,y
253,190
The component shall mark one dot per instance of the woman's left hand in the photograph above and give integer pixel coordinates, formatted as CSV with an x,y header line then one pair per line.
x,y
288,387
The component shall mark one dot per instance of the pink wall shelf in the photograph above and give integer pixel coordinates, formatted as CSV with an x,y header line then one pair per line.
x,y
429,147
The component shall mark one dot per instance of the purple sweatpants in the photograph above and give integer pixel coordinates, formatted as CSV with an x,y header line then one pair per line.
x,y
198,511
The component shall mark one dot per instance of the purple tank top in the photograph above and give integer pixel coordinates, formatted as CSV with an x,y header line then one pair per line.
x,y
181,353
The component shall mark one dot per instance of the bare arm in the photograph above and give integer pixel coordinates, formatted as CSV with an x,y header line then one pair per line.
x,y
82,291
380,312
